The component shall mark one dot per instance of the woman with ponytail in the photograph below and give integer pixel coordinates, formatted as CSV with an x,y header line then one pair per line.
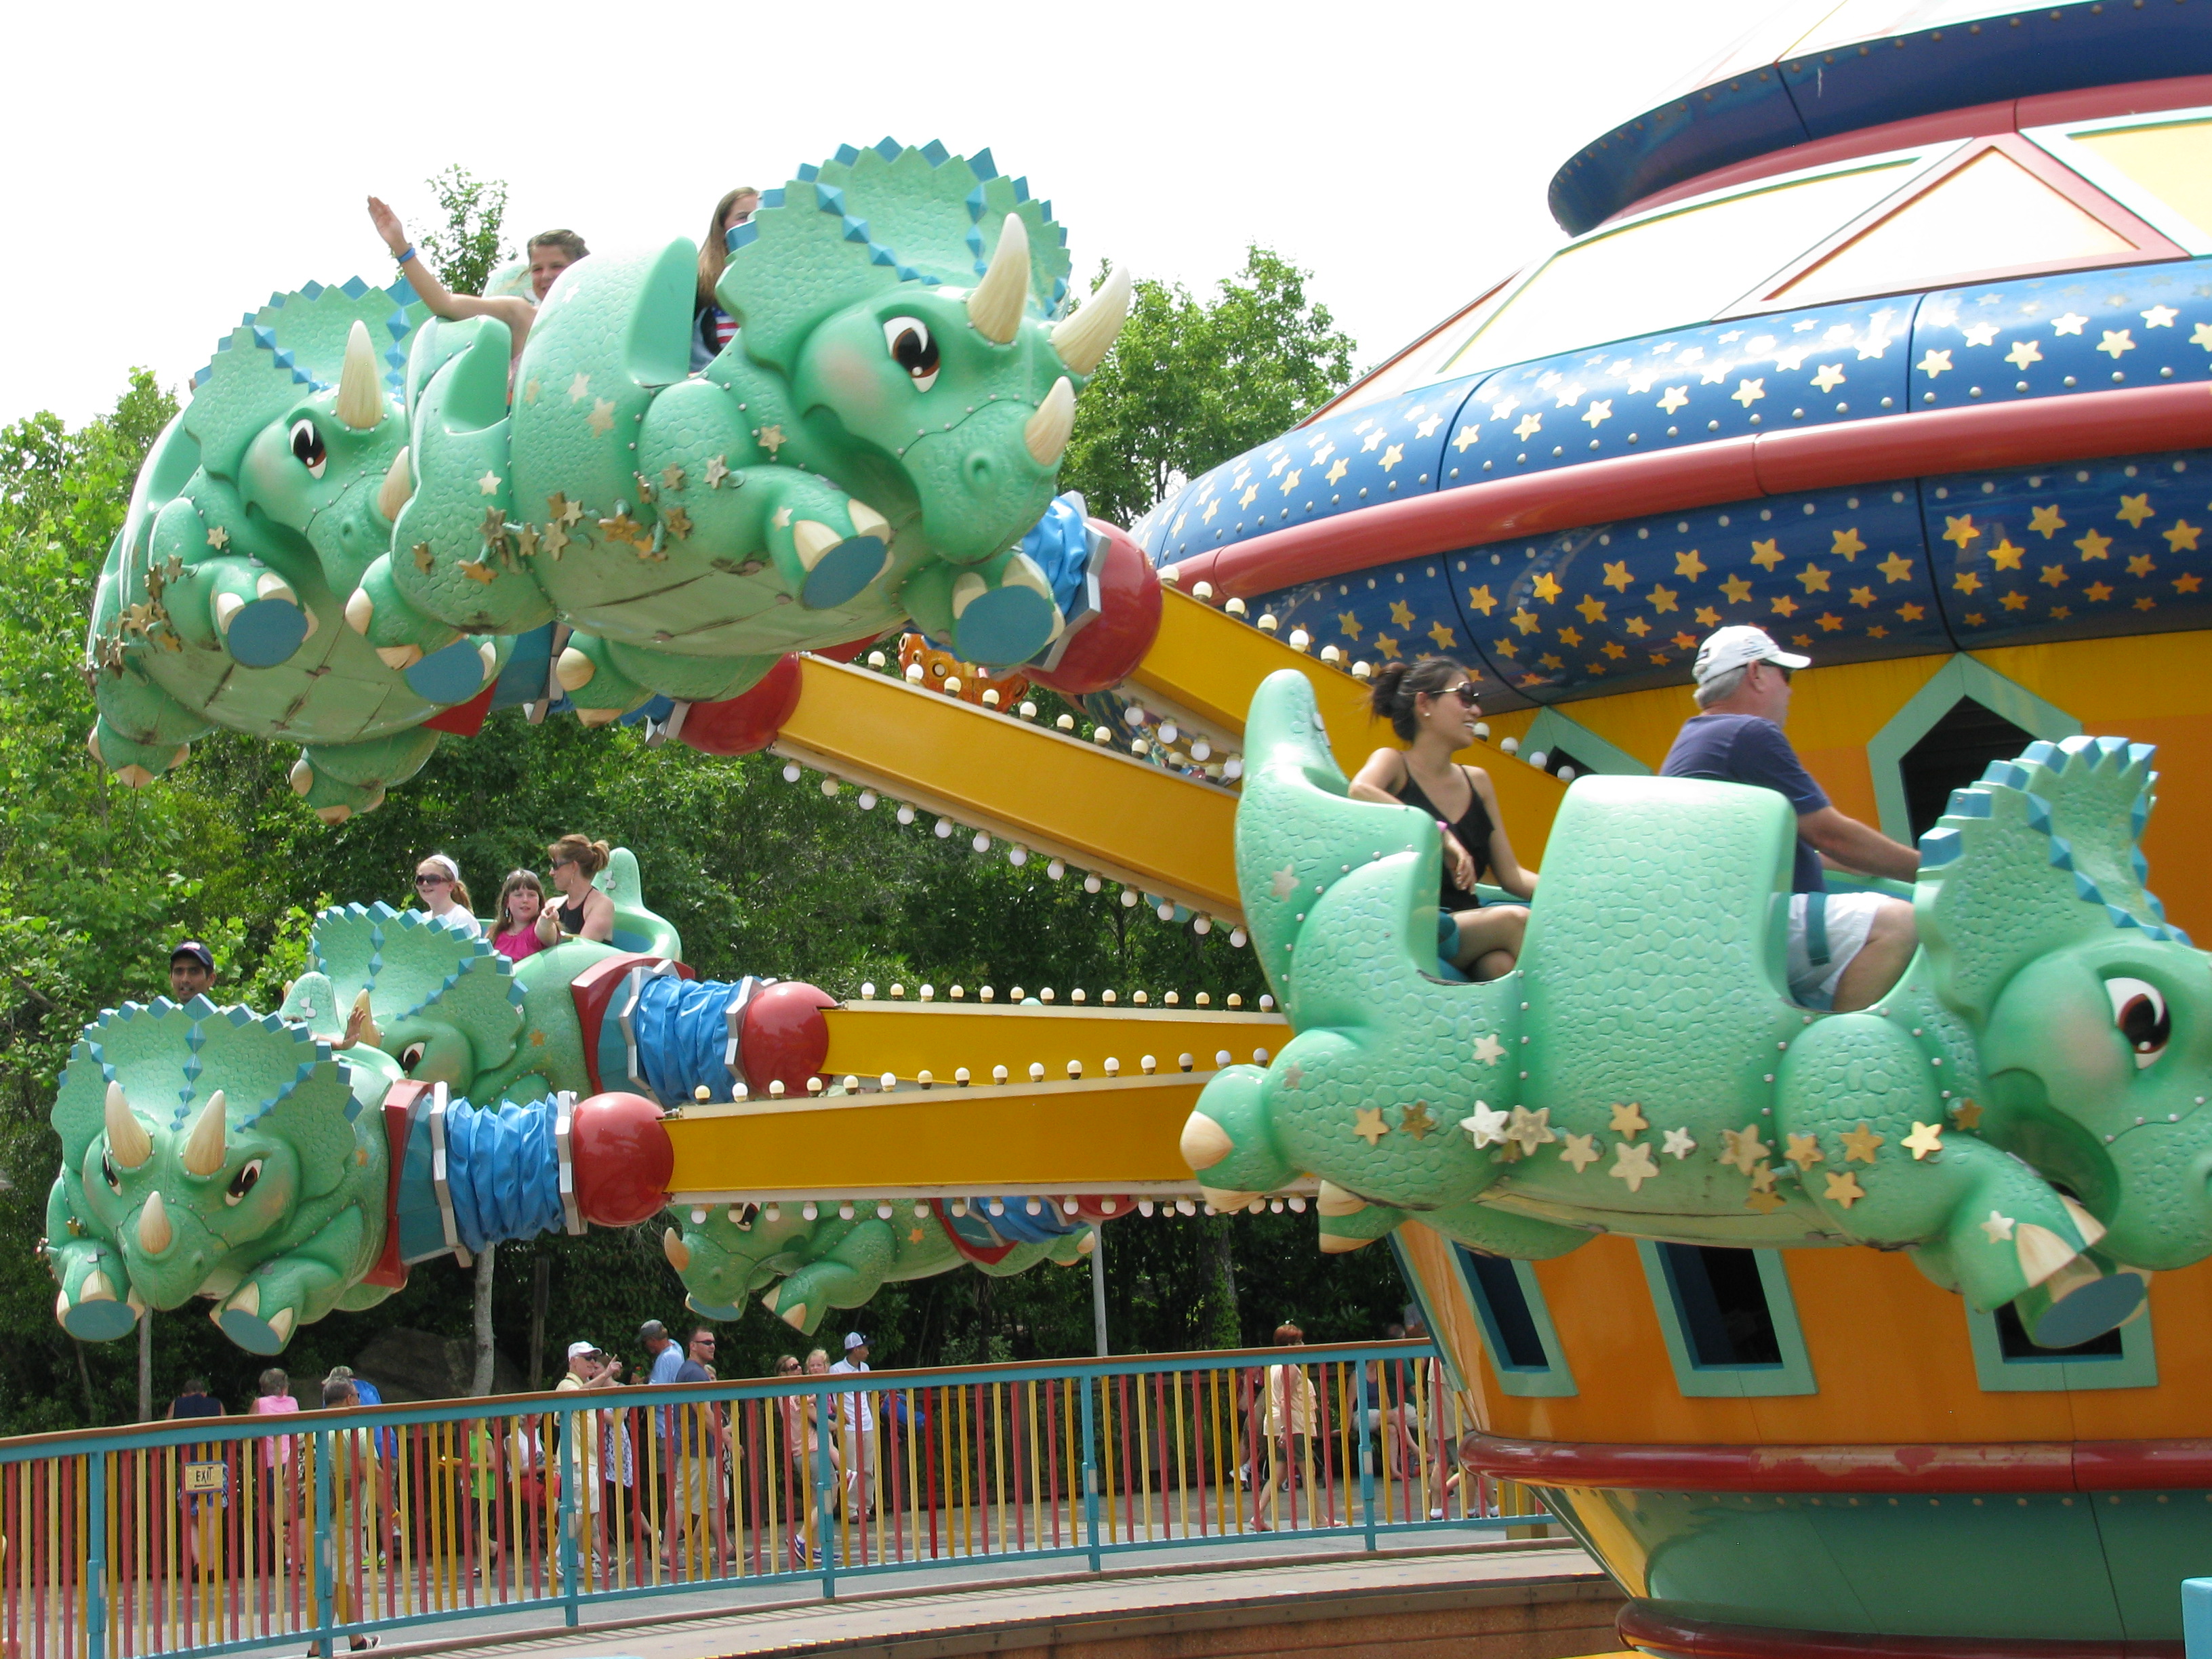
x,y
1431,705
585,911
438,883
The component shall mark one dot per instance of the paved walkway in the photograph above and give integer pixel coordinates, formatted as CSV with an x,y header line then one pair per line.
x,y
970,1615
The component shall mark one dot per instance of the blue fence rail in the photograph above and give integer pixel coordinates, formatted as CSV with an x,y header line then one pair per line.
x,y
223,1534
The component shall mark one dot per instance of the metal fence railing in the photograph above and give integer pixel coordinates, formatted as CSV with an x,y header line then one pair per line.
x,y
227,1534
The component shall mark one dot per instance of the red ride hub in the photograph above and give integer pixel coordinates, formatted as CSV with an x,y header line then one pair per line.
x,y
747,723
1105,650
784,1038
622,1157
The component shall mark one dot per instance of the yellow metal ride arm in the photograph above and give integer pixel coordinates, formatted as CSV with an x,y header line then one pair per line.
x,y
1093,1100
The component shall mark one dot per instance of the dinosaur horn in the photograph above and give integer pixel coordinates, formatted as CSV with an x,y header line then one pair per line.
x,y
361,1023
155,1235
361,399
995,306
126,1136
205,1151
398,487
1081,340
1045,433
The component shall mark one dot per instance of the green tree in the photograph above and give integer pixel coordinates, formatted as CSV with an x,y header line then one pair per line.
x,y
471,245
1192,382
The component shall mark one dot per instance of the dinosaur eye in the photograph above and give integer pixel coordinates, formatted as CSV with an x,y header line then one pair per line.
x,y
2140,1014
410,1056
912,349
242,1183
307,447
107,1170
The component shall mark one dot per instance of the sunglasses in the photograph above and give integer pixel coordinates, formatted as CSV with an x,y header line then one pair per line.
x,y
434,881
703,1341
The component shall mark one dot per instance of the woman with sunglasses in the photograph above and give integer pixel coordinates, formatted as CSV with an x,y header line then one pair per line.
x,y
1431,704
585,911
438,883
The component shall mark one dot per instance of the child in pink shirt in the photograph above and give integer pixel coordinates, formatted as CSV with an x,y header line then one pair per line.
x,y
514,926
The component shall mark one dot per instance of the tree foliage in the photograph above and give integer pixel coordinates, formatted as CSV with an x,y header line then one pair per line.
x,y
472,244
1190,383
97,881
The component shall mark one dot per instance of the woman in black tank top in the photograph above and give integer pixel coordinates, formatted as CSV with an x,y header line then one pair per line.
x,y
1431,705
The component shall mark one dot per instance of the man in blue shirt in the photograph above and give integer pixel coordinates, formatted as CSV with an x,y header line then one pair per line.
x,y
1846,948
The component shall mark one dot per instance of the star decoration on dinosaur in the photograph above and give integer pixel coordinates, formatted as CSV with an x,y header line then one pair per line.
x,y
1628,1120
559,506
1679,1145
677,521
1843,1187
553,540
1283,882
477,570
1489,1050
672,477
1762,1176
1743,1149
1368,1124
1969,1114
717,470
526,540
1765,1203
1805,1152
580,388
1633,1164
772,440
1859,1145
1998,1227
1581,1151
488,484
1415,1120
425,561
1529,1130
1926,1138
1486,1125
602,417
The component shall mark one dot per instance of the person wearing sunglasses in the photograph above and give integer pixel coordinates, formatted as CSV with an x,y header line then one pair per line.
x,y
585,911
1431,704
1846,950
711,327
438,883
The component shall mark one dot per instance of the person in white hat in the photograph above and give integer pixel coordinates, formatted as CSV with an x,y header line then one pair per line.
x,y
859,1410
589,1368
1846,950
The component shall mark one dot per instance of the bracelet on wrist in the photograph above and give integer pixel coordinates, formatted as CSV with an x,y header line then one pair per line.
x,y
402,258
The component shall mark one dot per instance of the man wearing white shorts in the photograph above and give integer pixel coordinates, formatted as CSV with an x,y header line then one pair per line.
x,y
1846,950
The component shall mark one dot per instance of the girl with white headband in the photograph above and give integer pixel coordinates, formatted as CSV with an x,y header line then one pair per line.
x,y
438,883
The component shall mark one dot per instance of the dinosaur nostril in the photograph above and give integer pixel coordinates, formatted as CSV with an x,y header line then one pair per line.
x,y
975,471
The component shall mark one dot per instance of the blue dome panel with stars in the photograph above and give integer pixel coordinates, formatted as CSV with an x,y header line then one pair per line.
x,y
1403,612
2073,552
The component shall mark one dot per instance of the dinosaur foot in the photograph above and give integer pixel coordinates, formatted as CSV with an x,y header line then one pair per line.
x,y
241,1320
95,1314
1008,623
839,569
2089,1296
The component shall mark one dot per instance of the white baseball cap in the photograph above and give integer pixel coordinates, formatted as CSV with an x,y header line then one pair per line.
x,y
854,1340
1736,648
576,1348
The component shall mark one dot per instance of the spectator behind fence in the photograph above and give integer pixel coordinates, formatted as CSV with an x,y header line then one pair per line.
x,y
1292,1411
355,1510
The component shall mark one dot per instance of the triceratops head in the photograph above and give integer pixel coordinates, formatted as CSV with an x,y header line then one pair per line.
x,y
444,1005
2095,1015
906,295
193,1137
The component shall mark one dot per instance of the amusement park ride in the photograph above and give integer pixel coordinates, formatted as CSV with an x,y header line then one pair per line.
x,y
1891,332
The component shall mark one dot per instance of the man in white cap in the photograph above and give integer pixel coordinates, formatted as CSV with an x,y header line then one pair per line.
x,y
1846,950
860,1436
588,1369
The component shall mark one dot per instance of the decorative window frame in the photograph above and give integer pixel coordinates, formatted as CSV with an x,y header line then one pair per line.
x,y
1958,679
2058,140
1552,730
2136,1367
1794,1376
1555,1378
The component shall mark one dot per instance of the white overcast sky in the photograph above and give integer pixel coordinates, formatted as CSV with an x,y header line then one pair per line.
x,y
167,167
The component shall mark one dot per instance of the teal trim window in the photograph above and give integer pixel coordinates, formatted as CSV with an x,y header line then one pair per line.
x,y
1516,1326
1728,1320
2006,1362
1563,740
1965,716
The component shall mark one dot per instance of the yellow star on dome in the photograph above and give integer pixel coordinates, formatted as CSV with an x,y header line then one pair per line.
x,y
1489,1050
1689,564
1392,456
1347,624
1373,440
1911,613
1337,469
2054,575
1526,620
2023,352
1675,397
1830,622
1925,1138
1251,494
1415,1120
1660,599
2068,323
1477,599
2096,593
553,540
1967,582
1679,1145
1896,567
672,477
1767,554
1571,636
1862,596
1628,1120
1401,613
1593,609
1443,636
2006,555
2045,522
1617,576
2014,601
1830,377
1762,1177
2094,546
1805,1152
1546,588
488,484
1214,507
1748,392
1468,435
1368,1124
2141,565
1814,579
1581,1151
718,469
1737,590
2159,317
1935,363
1291,480
1387,645
1960,529
1785,607
1846,544
1844,1189
1428,426
2133,509
1980,334
1599,412
2188,584
2182,538
1969,1114
1529,426
2201,335
1633,1164
218,539
2115,340
1765,1203
1859,1145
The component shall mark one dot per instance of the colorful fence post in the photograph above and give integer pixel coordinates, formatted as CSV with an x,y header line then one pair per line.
x,y
1091,1472
819,1495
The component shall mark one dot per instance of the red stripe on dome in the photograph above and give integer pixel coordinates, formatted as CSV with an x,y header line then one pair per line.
x,y
2086,426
